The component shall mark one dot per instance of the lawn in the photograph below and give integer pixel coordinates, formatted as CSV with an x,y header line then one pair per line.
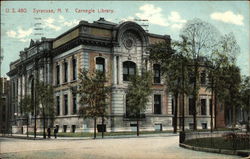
x,y
88,134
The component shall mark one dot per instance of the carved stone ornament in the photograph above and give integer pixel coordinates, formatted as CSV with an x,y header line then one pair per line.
x,y
128,41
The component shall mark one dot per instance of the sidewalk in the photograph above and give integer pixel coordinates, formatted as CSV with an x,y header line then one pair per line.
x,y
39,137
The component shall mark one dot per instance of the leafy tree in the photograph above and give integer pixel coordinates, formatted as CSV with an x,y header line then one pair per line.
x,y
201,37
94,94
138,91
174,68
26,108
223,57
232,79
45,101
1,91
245,97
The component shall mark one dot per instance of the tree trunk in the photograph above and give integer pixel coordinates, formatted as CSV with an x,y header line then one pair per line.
x,y
27,130
94,127
102,126
234,112
175,112
248,115
211,105
137,130
195,96
215,109
183,97
183,112
44,134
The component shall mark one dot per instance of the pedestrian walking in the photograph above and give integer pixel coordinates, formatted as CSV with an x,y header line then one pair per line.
x,y
48,132
55,132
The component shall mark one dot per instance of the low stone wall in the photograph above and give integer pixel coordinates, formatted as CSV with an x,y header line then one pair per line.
x,y
197,135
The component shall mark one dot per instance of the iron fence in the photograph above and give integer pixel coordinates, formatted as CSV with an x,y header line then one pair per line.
x,y
230,140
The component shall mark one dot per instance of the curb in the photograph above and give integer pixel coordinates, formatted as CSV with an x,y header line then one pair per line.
x,y
87,138
243,153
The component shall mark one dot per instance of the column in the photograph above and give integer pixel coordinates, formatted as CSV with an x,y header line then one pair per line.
x,y
208,105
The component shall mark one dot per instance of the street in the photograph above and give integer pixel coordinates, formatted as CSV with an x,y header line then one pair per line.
x,y
112,148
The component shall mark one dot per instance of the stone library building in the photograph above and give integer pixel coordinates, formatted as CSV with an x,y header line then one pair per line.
x,y
119,50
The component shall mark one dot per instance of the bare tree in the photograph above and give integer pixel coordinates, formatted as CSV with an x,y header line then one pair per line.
x,y
202,37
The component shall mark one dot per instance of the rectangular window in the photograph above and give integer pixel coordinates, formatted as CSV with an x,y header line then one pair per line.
x,y
58,74
203,78
74,69
203,107
157,104
190,106
58,105
65,72
191,78
65,104
73,128
74,104
157,73
191,126
204,125
100,64
65,128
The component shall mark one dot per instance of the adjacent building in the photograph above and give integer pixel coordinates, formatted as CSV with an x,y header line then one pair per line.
x,y
119,50
4,103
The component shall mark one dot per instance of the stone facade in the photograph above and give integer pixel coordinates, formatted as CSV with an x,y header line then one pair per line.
x,y
4,102
117,49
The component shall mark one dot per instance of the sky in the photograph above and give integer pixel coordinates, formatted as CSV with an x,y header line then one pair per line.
x,y
25,20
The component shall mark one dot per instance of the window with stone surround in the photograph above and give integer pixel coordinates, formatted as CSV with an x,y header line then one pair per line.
x,y
100,64
203,107
57,74
57,105
74,69
65,104
74,103
65,71
157,104
203,78
157,73
129,69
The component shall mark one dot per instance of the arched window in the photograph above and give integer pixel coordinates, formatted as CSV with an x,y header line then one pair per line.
x,y
129,69
100,64
157,73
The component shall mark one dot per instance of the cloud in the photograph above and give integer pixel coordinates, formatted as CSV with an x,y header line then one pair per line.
x,y
60,21
21,34
129,18
154,15
24,33
228,17
175,17
176,26
67,23
49,22
11,34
